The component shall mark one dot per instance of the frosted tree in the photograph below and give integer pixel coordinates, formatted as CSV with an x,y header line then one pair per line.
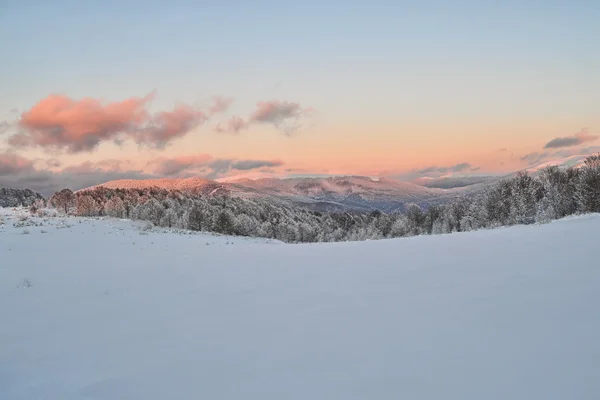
x,y
115,207
588,188
87,206
63,200
224,223
196,218
151,210
524,195
245,225
169,218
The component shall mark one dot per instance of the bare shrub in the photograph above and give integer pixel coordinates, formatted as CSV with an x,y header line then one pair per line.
x,y
26,283
147,226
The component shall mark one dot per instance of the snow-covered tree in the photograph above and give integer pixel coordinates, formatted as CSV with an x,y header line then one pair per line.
x,y
87,206
63,200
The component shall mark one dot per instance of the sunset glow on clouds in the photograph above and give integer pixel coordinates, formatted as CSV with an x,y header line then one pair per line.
x,y
280,93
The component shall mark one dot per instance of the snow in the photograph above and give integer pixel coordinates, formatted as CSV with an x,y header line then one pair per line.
x,y
101,309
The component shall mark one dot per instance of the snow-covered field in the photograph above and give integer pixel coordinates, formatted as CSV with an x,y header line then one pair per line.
x,y
99,309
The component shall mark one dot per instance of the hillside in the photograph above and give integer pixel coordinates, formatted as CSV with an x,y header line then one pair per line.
x,y
321,194
18,197
102,311
186,184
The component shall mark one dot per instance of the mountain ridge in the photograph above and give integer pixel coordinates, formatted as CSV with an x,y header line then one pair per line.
x,y
358,193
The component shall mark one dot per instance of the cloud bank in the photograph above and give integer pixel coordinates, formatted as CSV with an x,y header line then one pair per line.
x,y
19,172
206,166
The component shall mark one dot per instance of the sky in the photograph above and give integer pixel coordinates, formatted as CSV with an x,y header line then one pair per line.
x,y
93,91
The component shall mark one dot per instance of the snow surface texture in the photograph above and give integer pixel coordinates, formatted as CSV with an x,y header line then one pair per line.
x,y
103,309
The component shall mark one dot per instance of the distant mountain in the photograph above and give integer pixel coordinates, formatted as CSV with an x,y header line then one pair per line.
x,y
198,185
454,182
18,197
342,192
320,194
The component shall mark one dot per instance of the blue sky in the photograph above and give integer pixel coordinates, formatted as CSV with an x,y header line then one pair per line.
x,y
315,50
468,77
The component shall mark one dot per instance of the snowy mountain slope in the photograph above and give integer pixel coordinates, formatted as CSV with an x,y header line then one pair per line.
x,y
94,309
349,192
198,184
332,193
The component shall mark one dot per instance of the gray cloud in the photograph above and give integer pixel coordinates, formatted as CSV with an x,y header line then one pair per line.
x,y
245,165
444,170
571,141
169,166
20,174
288,117
12,164
206,165
284,115
5,126
438,171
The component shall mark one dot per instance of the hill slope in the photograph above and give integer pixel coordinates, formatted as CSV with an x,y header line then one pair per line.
x,y
18,197
99,311
333,193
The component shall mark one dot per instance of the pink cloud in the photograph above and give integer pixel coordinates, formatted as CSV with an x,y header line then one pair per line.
x,y
60,122
168,125
234,125
220,105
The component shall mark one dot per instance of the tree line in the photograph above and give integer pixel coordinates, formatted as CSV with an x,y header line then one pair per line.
x,y
524,199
